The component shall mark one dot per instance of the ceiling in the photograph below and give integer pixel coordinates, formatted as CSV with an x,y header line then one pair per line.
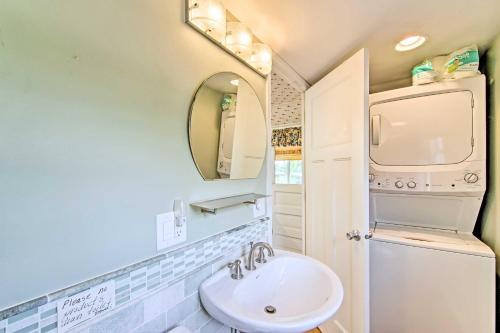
x,y
222,82
313,37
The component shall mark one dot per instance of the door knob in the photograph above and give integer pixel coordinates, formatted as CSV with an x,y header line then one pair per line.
x,y
355,234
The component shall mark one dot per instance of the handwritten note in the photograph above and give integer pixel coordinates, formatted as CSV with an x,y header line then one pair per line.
x,y
83,306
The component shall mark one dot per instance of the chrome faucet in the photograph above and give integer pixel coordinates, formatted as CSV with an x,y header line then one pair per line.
x,y
235,268
251,256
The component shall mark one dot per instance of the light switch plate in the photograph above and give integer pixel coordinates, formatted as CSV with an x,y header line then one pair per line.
x,y
167,233
259,209
164,229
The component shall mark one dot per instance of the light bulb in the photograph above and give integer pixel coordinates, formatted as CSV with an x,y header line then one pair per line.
x,y
210,17
261,58
239,39
410,43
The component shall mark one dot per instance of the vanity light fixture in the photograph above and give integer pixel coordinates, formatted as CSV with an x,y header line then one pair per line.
x,y
410,43
212,20
235,82
261,57
239,39
210,17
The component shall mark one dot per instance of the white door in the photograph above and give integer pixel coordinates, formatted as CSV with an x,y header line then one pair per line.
x,y
249,144
287,217
336,185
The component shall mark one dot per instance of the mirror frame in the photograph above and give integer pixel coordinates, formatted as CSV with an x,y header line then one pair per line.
x,y
193,99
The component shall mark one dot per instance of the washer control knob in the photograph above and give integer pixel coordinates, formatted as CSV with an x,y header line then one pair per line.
x,y
471,178
399,184
411,184
371,177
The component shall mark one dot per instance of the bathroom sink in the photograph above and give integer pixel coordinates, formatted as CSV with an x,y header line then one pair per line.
x,y
290,293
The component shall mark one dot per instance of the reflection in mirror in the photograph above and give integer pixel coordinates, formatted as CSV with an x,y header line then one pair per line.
x,y
227,129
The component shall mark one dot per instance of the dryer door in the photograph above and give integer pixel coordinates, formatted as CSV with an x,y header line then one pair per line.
x,y
423,130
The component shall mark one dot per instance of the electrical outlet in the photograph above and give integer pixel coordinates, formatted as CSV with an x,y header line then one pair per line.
x,y
259,209
167,232
181,233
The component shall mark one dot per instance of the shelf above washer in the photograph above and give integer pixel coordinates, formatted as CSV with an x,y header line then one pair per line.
x,y
211,206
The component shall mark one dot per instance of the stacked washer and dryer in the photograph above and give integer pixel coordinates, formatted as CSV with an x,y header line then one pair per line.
x,y
428,273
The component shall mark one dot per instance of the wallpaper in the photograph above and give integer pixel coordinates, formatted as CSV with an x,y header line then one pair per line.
x,y
286,103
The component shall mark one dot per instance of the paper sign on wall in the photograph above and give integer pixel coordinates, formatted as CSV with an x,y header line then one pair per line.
x,y
83,306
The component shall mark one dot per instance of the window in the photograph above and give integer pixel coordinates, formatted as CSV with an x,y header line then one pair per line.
x,y
288,172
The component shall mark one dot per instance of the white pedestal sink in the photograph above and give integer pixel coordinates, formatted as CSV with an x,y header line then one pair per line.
x,y
303,292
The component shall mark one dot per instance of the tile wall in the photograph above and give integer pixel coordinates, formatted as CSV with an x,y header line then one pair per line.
x,y
153,296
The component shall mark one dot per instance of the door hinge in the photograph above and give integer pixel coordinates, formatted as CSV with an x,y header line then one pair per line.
x,y
472,141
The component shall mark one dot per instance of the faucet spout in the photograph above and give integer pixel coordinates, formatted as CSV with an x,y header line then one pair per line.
x,y
251,256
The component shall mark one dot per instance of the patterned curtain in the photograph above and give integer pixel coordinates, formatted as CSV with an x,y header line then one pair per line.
x,y
287,143
286,137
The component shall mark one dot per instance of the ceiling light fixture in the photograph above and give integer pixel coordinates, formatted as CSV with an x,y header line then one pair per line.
x,y
410,43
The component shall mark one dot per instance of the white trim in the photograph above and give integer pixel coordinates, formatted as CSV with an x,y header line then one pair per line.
x,y
287,126
281,67
303,189
270,153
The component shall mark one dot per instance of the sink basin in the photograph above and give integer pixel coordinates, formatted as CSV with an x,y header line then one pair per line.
x,y
302,292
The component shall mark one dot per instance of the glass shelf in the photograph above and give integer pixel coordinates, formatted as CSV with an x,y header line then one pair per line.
x,y
211,206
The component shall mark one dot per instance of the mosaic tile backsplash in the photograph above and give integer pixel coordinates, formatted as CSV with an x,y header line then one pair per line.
x,y
152,296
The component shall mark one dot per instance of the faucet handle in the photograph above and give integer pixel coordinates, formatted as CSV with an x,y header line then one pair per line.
x,y
251,246
261,258
236,270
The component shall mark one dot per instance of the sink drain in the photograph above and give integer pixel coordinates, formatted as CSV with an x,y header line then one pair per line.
x,y
270,309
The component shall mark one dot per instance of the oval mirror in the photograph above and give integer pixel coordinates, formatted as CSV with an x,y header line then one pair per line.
x,y
227,128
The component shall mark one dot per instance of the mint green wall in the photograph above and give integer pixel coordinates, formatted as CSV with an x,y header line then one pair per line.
x,y
491,216
94,100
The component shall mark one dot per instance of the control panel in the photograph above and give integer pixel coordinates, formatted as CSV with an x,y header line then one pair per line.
x,y
469,179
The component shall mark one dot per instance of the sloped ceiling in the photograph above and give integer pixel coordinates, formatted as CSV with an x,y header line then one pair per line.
x,y
314,36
